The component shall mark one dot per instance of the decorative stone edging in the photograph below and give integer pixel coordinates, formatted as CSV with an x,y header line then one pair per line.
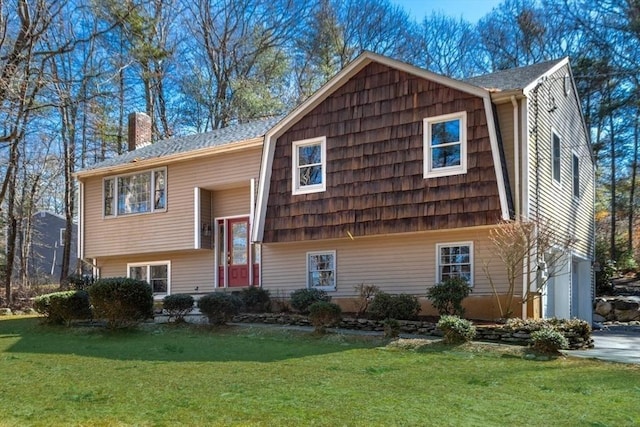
x,y
491,333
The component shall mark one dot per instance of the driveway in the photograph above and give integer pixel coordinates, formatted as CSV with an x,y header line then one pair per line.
x,y
614,344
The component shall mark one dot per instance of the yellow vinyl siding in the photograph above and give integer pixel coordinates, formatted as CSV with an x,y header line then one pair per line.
x,y
172,230
188,269
232,202
404,263
557,202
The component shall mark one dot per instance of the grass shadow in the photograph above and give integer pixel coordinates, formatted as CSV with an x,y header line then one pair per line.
x,y
178,343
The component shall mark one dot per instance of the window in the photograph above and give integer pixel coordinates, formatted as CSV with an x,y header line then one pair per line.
x,y
156,274
445,145
454,260
555,157
62,231
576,175
136,193
321,270
309,165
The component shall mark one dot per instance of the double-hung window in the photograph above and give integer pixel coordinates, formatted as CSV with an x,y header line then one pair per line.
x,y
555,157
309,165
454,260
445,145
156,274
321,270
135,193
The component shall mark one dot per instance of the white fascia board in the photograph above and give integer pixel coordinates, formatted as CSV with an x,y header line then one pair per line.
x,y
497,162
528,88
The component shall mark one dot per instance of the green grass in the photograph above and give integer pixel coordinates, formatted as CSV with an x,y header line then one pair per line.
x,y
167,375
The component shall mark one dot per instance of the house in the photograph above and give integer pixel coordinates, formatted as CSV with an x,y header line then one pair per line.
x,y
388,175
43,243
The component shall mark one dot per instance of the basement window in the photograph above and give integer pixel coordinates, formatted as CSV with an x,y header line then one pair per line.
x,y
156,274
445,145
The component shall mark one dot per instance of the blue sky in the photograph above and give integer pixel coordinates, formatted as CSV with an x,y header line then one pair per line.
x,y
471,10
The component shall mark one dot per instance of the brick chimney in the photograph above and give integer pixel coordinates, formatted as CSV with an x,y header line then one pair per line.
x,y
139,130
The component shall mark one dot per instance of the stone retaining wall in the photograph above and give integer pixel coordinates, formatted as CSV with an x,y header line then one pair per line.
x,y
490,333
617,309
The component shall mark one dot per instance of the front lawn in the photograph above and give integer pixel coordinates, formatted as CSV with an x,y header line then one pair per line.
x,y
168,375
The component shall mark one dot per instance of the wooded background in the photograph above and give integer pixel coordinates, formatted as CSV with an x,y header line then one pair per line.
x,y
72,70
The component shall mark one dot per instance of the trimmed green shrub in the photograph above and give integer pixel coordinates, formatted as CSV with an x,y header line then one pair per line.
x,y
256,300
63,307
301,299
447,296
456,330
398,306
219,307
323,314
548,341
177,306
121,301
79,282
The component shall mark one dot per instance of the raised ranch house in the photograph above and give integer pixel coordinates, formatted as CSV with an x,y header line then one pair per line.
x,y
388,175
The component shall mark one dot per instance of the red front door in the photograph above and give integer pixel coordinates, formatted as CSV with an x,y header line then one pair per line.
x,y
237,231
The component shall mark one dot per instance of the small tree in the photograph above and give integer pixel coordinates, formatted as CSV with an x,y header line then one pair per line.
x,y
532,248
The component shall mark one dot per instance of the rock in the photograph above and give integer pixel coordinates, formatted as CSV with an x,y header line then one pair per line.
x,y
603,307
627,315
5,311
627,303
598,318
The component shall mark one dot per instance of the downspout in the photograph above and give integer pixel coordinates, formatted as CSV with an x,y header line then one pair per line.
x,y
516,155
80,237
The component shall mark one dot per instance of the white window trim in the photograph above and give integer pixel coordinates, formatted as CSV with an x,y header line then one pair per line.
x,y
335,270
460,169
295,184
114,204
574,155
62,232
557,182
148,265
471,259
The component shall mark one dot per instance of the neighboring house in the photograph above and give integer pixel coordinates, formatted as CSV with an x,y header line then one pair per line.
x,y
389,175
46,245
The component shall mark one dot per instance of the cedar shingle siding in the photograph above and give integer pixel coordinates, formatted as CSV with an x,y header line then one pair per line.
x,y
375,185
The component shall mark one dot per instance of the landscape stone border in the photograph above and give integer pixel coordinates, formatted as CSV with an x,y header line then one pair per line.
x,y
489,333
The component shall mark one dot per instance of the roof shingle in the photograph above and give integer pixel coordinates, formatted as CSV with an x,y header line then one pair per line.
x,y
515,78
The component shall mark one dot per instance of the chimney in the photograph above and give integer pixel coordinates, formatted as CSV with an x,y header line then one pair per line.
x,y
139,130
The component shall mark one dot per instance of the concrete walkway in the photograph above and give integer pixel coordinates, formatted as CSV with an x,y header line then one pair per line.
x,y
614,344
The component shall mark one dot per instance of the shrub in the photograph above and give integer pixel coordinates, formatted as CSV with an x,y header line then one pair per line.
x,y
302,299
399,306
122,301
219,307
391,328
79,282
447,296
456,330
256,300
323,314
365,295
548,341
63,307
178,306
